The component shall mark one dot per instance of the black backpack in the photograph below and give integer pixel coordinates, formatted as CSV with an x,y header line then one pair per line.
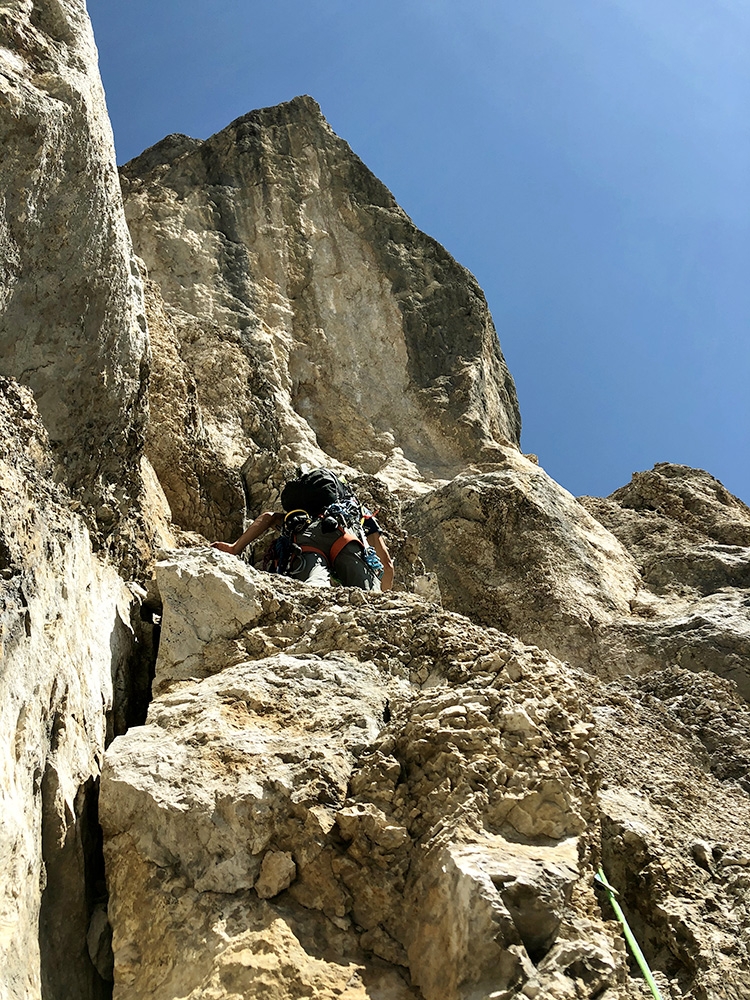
x,y
314,492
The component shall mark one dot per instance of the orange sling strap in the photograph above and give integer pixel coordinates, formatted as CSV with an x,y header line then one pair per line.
x,y
338,545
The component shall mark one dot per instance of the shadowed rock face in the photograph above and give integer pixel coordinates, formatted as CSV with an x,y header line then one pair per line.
x,y
313,319
65,650
72,325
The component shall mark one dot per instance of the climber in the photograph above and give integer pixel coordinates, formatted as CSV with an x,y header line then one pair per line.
x,y
325,532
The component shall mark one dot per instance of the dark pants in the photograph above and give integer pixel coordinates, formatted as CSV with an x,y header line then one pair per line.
x,y
349,566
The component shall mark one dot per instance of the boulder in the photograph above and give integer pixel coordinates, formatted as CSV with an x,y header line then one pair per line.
x,y
513,549
687,532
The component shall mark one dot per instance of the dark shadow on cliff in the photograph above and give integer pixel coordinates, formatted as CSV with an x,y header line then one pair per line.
x,y
75,888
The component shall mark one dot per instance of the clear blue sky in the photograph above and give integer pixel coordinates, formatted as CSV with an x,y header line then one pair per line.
x,y
587,160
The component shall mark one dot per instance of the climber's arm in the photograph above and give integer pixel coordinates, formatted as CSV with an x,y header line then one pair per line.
x,y
259,527
378,543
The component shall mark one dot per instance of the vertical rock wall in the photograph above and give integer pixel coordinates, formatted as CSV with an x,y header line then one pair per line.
x,y
73,338
65,642
72,325
312,320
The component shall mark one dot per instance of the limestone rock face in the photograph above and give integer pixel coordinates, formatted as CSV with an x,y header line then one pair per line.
x,y
205,494
691,539
268,832
312,320
687,532
72,325
271,793
65,645
679,853
514,550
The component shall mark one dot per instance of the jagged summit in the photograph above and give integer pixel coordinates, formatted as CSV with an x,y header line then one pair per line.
x,y
309,792
303,110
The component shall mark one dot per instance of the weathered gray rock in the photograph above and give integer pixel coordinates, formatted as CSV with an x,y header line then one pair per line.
x,y
190,583
72,324
514,550
455,841
686,531
691,539
72,329
66,643
267,819
205,493
712,633
312,320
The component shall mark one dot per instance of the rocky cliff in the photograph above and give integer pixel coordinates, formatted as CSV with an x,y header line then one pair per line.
x,y
327,793
72,323
304,318
273,832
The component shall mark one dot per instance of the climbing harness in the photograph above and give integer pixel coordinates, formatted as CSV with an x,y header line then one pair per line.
x,y
320,498
601,879
330,557
283,553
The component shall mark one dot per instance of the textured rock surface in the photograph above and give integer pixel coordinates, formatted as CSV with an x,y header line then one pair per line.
x,y
435,844
691,540
514,550
673,750
72,325
687,532
65,646
285,840
312,320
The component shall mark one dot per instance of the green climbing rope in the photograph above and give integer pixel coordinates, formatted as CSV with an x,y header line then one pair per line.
x,y
640,958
